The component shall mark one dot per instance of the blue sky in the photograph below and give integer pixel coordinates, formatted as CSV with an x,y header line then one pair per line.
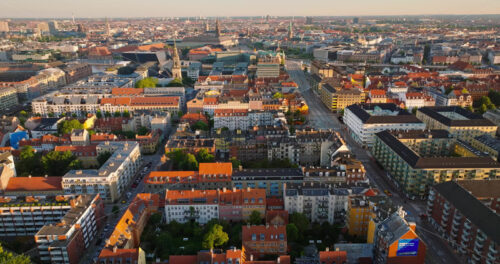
x,y
170,8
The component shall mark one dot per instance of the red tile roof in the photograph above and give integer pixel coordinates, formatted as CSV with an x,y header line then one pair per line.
x,y
216,168
330,257
19,184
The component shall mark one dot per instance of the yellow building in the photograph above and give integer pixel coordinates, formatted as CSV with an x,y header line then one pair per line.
x,y
324,69
337,99
358,216
459,122
488,144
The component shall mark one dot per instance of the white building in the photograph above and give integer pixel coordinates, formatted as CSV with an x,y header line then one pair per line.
x,y
112,179
318,201
241,118
412,100
198,205
364,121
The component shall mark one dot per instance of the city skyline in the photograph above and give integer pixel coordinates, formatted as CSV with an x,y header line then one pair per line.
x,y
137,9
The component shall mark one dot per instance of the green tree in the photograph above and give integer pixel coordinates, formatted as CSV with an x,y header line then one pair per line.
x,y
190,163
255,218
107,114
9,258
292,233
29,162
277,95
57,163
142,131
117,114
23,113
103,157
300,221
146,83
200,125
483,108
215,237
495,97
98,114
175,83
126,114
66,126
204,156
236,163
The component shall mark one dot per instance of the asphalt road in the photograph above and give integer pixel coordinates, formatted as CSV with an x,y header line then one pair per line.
x,y
320,117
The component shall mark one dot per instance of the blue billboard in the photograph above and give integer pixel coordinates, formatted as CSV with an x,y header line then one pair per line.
x,y
407,247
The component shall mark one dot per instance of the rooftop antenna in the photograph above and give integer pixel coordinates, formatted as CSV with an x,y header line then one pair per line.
x,y
73,16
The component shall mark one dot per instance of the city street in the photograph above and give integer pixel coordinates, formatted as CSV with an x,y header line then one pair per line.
x,y
320,117
123,203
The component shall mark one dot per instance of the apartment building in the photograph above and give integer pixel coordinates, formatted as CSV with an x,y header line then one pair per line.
x,y
112,179
488,144
33,186
8,98
260,240
325,70
364,121
58,103
467,223
76,71
204,205
210,176
319,202
336,99
459,122
191,205
190,145
241,118
25,215
127,232
415,160
397,242
66,241
270,179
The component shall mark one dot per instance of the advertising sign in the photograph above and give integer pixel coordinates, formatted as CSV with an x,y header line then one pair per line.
x,y
407,247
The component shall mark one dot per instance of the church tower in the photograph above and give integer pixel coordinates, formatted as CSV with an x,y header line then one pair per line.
x,y
290,31
217,28
176,65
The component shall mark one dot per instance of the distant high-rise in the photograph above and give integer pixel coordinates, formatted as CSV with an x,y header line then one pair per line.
x,y
309,20
176,64
53,27
217,28
267,19
207,26
43,26
4,26
290,30
108,29
355,20
80,28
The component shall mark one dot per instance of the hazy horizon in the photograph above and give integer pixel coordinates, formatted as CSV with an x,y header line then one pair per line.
x,y
235,8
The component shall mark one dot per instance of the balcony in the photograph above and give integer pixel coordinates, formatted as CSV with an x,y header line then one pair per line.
x,y
446,206
480,237
492,249
491,256
456,222
479,244
467,225
476,256
477,251
465,236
